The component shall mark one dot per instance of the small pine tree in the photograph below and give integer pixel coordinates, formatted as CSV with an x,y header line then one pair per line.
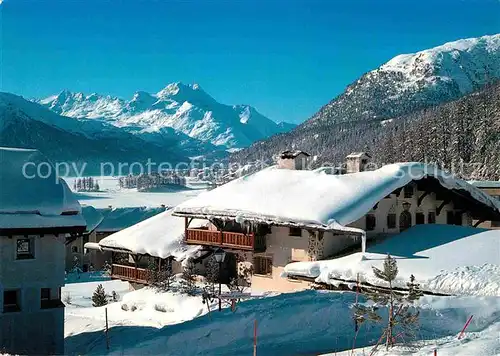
x,y
99,298
188,278
212,274
399,314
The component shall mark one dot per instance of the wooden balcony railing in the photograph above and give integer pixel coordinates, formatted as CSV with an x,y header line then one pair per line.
x,y
224,239
129,273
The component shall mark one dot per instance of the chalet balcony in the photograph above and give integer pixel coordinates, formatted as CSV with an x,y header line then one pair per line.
x,y
234,240
129,273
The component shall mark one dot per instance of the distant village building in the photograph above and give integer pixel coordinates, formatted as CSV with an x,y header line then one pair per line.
x,y
294,160
37,215
357,162
278,216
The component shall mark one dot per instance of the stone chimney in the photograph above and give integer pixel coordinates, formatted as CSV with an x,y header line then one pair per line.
x,y
297,160
357,162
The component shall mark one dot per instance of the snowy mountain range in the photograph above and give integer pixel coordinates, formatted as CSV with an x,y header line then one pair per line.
x,y
181,110
25,124
404,85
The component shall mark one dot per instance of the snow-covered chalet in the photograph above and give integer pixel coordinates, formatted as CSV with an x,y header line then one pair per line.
x,y
286,213
37,213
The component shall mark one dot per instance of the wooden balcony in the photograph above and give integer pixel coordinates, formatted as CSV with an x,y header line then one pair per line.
x,y
235,240
129,273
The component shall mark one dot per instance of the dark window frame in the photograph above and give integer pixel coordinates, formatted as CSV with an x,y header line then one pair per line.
x,y
391,221
295,231
408,191
370,222
431,217
21,252
48,301
450,217
263,265
9,305
419,218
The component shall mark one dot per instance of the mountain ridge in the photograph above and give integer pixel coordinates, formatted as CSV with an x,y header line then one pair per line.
x,y
186,108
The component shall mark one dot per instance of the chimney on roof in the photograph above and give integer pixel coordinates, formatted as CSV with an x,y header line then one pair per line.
x,y
163,205
297,160
357,162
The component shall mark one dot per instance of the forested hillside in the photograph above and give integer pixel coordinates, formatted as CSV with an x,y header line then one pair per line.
x,y
462,133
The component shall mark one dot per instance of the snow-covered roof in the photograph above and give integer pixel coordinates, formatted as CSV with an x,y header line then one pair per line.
x,y
315,199
161,236
31,199
485,183
92,216
358,154
293,154
443,258
116,219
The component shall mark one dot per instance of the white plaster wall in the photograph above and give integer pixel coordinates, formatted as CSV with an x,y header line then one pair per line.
x,y
429,203
36,330
283,249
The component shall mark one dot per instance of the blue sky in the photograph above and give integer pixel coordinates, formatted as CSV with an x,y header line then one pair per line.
x,y
286,58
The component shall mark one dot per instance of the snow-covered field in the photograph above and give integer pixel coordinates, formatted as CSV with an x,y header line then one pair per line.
x,y
305,323
112,194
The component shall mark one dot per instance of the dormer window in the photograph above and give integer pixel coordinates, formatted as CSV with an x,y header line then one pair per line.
x,y
371,222
408,191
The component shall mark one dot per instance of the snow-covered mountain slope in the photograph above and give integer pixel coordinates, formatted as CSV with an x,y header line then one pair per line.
x,y
413,81
404,85
25,124
185,108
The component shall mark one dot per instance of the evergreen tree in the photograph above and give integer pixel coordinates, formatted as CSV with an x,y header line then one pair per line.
x,y
188,278
400,316
99,298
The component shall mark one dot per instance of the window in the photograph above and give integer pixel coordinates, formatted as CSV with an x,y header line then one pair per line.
x,y
419,218
431,217
74,249
263,265
391,221
24,249
46,302
458,218
295,231
44,297
11,301
408,191
371,222
450,217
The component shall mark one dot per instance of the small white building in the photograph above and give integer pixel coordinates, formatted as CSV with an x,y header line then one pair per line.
x,y
37,213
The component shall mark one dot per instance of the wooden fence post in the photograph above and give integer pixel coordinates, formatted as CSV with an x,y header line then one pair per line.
x,y
107,331
255,338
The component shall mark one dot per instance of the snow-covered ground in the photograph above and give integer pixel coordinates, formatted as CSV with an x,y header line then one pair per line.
x,y
304,323
144,308
112,194
443,258
482,343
